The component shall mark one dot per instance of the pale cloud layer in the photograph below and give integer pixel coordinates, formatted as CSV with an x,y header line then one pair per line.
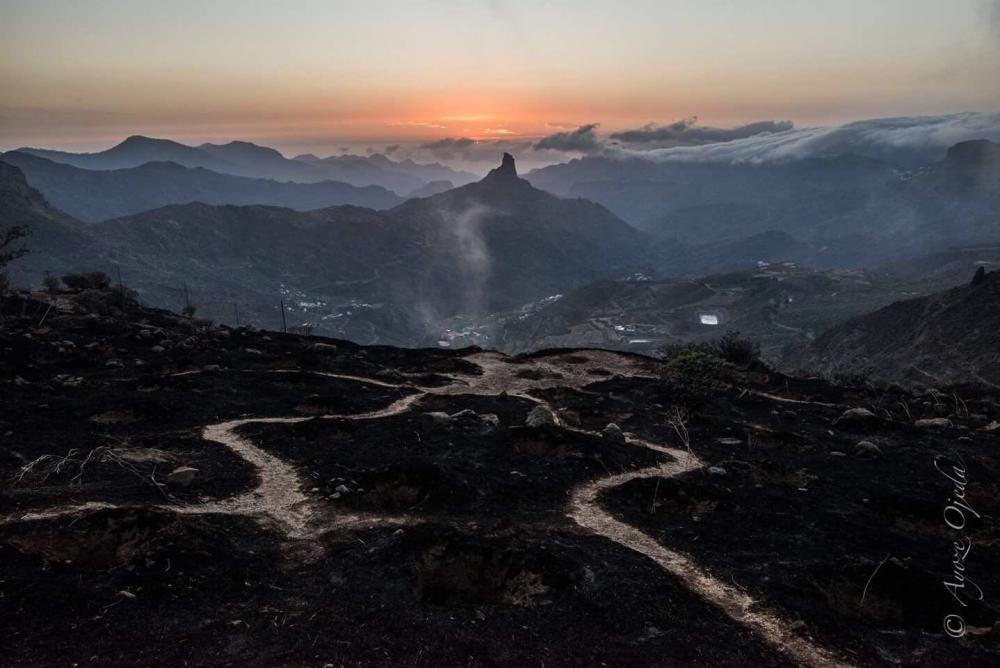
x,y
770,141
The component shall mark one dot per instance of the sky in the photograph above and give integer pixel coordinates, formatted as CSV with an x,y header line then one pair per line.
x,y
326,75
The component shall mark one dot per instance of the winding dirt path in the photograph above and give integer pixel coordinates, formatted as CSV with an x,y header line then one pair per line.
x,y
280,493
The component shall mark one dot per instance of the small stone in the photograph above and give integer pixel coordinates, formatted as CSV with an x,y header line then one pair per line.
x,y
465,413
539,417
570,417
491,422
934,423
114,364
211,368
837,453
182,476
856,415
158,349
867,450
716,470
435,420
613,434
342,489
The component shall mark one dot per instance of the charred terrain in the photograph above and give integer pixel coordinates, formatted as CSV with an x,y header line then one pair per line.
x,y
176,492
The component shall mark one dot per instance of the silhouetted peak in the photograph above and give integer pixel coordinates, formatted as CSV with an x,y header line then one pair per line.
x,y
506,170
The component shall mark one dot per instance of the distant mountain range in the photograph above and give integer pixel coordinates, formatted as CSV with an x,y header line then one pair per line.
x,y
844,210
250,160
945,338
366,275
96,195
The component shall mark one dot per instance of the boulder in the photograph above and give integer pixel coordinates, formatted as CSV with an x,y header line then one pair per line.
x,y
539,417
570,417
491,422
613,434
867,450
435,420
182,476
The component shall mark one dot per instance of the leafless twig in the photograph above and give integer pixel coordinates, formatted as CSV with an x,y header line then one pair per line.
x,y
870,578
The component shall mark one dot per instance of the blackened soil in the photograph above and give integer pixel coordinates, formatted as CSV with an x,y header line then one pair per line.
x,y
476,563
467,467
802,520
130,588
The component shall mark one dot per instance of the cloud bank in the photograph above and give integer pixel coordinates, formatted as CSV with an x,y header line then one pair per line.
x,y
687,133
904,139
582,140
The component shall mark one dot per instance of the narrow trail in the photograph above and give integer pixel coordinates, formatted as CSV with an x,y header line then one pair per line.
x,y
280,494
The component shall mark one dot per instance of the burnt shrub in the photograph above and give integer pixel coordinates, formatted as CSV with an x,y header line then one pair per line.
x,y
90,280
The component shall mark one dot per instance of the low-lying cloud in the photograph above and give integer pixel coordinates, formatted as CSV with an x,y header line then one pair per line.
x,y
902,140
450,147
582,140
688,133
897,139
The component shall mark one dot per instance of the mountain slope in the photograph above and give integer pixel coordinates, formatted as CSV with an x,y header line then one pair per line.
x,y
847,209
94,196
253,161
57,242
135,151
948,337
367,275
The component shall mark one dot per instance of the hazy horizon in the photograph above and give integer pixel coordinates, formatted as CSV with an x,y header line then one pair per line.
x,y
314,77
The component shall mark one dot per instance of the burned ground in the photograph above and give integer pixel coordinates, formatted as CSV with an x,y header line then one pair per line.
x,y
379,506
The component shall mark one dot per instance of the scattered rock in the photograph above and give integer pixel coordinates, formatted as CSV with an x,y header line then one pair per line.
x,y
867,450
570,417
435,420
716,470
613,434
539,417
158,349
856,415
933,423
491,422
342,489
182,476
66,380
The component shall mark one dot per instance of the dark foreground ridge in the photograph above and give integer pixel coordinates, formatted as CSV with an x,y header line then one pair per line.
x,y
176,492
